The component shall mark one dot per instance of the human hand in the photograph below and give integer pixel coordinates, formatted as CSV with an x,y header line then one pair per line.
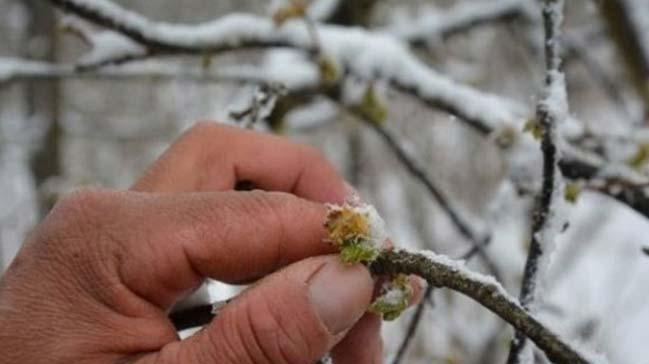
x,y
95,281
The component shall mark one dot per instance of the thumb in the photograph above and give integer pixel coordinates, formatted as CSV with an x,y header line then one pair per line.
x,y
295,315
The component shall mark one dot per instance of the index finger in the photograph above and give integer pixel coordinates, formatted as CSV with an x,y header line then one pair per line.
x,y
213,157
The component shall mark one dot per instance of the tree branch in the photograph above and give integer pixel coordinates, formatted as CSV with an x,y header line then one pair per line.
x,y
18,69
364,54
374,55
551,110
440,271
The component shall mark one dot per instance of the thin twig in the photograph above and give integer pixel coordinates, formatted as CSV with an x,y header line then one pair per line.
x,y
548,117
237,32
427,299
482,111
443,272
420,175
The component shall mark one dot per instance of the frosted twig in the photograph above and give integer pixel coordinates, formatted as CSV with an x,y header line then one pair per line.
x,y
413,325
364,54
551,110
261,105
440,271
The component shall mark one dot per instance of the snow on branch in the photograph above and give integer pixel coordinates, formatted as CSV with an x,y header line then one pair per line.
x,y
365,54
361,53
441,271
547,221
465,15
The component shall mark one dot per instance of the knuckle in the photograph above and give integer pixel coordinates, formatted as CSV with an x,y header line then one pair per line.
x,y
75,223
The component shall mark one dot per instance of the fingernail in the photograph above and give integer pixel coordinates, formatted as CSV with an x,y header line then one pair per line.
x,y
340,294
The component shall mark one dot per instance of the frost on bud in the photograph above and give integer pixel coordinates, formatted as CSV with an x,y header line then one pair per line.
x,y
394,299
357,230
296,9
372,107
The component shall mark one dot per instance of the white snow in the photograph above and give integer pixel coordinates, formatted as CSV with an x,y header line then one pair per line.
x,y
392,295
11,67
378,234
290,67
556,98
109,45
459,266
555,101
